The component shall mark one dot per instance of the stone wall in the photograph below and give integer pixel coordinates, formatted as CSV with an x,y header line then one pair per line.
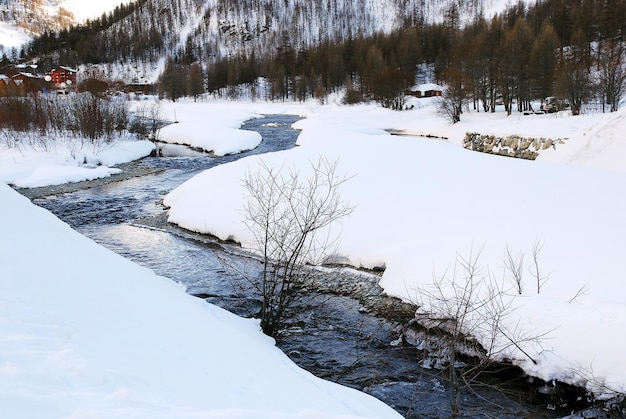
x,y
510,146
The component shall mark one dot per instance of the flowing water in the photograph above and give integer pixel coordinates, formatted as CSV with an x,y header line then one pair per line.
x,y
330,334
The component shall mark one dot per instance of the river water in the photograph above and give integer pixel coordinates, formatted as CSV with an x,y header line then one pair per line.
x,y
330,334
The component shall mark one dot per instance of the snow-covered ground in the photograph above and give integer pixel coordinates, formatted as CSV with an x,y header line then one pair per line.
x,y
86,332
421,203
26,166
211,130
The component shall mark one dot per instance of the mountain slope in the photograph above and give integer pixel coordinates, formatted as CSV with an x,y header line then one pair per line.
x,y
135,47
21,20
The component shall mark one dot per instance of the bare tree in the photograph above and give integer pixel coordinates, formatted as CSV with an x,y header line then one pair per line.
x,y
291,220
515,266
148,119
466,310
455,96
612,75
535,270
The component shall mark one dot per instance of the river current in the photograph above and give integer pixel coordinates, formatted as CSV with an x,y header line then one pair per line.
x,y
330,334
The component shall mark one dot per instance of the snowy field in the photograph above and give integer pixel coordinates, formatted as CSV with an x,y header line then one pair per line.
x,y
86,331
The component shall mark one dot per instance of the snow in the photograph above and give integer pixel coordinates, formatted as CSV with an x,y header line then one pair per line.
x,y
422,202
29,166
83,10
213,131
86,332
11,36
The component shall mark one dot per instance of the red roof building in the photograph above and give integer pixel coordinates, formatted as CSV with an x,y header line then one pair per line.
x,y
61,75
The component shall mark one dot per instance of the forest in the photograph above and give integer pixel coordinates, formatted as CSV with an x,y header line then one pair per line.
x,y
572,49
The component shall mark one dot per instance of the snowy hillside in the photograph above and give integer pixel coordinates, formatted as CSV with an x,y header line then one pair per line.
x,y
83,10
205,30
20,21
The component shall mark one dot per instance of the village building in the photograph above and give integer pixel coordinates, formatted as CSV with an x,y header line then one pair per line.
x,y
63,75
427,90
10,87
20,83
32,83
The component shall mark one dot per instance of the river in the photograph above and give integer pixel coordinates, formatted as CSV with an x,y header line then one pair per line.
x,y
334,333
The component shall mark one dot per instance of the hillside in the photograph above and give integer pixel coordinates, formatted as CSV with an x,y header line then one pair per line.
x,y
21,20
134,45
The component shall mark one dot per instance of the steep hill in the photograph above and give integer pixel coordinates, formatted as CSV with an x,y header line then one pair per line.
x,y
21,20
134,47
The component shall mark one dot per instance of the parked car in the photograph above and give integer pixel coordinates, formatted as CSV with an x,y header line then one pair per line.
x,y
554,104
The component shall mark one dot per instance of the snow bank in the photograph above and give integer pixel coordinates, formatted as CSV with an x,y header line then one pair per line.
x,y
420,203
600,144
30,167
87,333
214,130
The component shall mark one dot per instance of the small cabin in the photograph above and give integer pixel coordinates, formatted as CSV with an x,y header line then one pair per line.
x,y
427,90
10,87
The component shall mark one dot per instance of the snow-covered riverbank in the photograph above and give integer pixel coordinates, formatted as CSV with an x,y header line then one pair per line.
x,y
420,203
86,333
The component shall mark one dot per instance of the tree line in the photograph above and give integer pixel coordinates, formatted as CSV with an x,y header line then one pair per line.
x,y
570,49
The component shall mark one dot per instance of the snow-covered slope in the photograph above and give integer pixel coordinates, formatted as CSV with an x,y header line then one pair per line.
x,y
83,10
207,29
12,36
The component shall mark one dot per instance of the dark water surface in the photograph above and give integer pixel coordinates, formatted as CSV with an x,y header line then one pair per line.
x,y
330,335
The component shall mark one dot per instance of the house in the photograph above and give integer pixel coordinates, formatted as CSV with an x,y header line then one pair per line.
x,y
31,83
10,87
63,75
427,90
432,92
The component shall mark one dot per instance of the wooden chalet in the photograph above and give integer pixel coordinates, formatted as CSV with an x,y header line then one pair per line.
x,y
63,75
32,83
10,87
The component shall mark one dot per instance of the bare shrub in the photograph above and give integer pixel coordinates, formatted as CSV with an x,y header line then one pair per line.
x,y
514,264
467,312
540,277
97,119
41,120
286,214
353,97
147,120
16,113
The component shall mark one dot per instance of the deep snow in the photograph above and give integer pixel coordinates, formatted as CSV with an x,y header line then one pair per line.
x,y
419,201
85,333
422,203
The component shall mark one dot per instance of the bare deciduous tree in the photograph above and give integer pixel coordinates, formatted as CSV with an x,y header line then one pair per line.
x,y
535,271
612,75
148,119
467,311
291,220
